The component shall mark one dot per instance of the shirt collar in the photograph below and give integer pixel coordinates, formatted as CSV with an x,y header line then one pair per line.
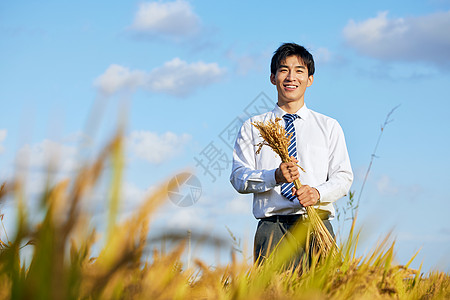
x,y
303,112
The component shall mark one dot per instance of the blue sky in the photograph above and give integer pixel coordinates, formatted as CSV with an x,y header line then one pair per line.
x,y
180,74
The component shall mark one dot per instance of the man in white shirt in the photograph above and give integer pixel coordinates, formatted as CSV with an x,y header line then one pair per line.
x,y
320,150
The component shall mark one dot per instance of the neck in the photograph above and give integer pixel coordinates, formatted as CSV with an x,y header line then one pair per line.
x,y
291,107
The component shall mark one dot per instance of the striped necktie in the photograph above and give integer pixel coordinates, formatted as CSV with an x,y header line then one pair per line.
x,y
286,188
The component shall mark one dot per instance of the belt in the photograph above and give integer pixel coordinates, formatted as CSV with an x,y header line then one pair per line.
x,y
323,214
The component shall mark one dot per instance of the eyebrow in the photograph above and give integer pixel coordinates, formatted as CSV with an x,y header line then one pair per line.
x,y
298,67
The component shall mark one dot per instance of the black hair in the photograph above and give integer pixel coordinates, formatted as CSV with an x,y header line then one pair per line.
x,y
289,49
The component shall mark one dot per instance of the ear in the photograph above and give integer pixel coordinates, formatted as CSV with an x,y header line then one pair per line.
x,y
310,80
272,79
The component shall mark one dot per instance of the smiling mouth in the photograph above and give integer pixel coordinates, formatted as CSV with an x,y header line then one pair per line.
x,y
290,87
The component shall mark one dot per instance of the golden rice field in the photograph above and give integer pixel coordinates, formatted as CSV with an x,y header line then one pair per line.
x,y
62,265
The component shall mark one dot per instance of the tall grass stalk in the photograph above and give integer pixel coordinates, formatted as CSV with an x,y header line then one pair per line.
x,y
372,157
352,204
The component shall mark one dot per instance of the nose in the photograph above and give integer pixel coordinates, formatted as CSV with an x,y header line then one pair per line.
x,y
290,76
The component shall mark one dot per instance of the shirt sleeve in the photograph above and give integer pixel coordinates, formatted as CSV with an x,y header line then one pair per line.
x,y
245,178
340,175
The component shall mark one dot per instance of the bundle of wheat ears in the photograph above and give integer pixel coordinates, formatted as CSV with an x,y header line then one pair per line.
x,y
275,137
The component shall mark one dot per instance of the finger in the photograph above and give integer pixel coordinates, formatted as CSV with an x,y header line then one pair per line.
x,y
292,165
287,174
304,201
290,168
301,190
285,166
308,203
289,177
298,194
293,168
307,199
294,191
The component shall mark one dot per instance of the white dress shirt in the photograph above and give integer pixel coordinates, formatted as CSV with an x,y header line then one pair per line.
x,y
321,152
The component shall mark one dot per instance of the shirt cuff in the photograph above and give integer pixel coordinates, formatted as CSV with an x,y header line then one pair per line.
x,y
322,194
269,178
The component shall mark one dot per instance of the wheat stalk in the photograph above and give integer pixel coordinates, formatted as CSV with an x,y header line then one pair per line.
x,y
278,140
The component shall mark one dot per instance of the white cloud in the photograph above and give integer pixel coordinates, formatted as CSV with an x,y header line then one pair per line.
x,y
322,55
3,134
118,78
34,163
131,199
179,78
46,153
133,196
175,77
385,186
132,192
242,204
192,217
174,19
436,237
245,63
156,148
422,38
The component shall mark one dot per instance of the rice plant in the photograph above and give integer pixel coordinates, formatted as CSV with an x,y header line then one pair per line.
x,y
278,140
63,265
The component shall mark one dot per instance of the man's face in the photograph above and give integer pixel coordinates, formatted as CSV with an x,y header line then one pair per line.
x,y
291,80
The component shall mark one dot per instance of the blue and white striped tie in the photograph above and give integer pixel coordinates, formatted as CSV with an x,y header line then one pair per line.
x,y
286,188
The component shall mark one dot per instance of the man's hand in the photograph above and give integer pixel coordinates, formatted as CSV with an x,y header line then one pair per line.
x,y
287,172
306,195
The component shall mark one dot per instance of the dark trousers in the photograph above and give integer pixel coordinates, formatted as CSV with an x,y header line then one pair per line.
x,y
271,231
